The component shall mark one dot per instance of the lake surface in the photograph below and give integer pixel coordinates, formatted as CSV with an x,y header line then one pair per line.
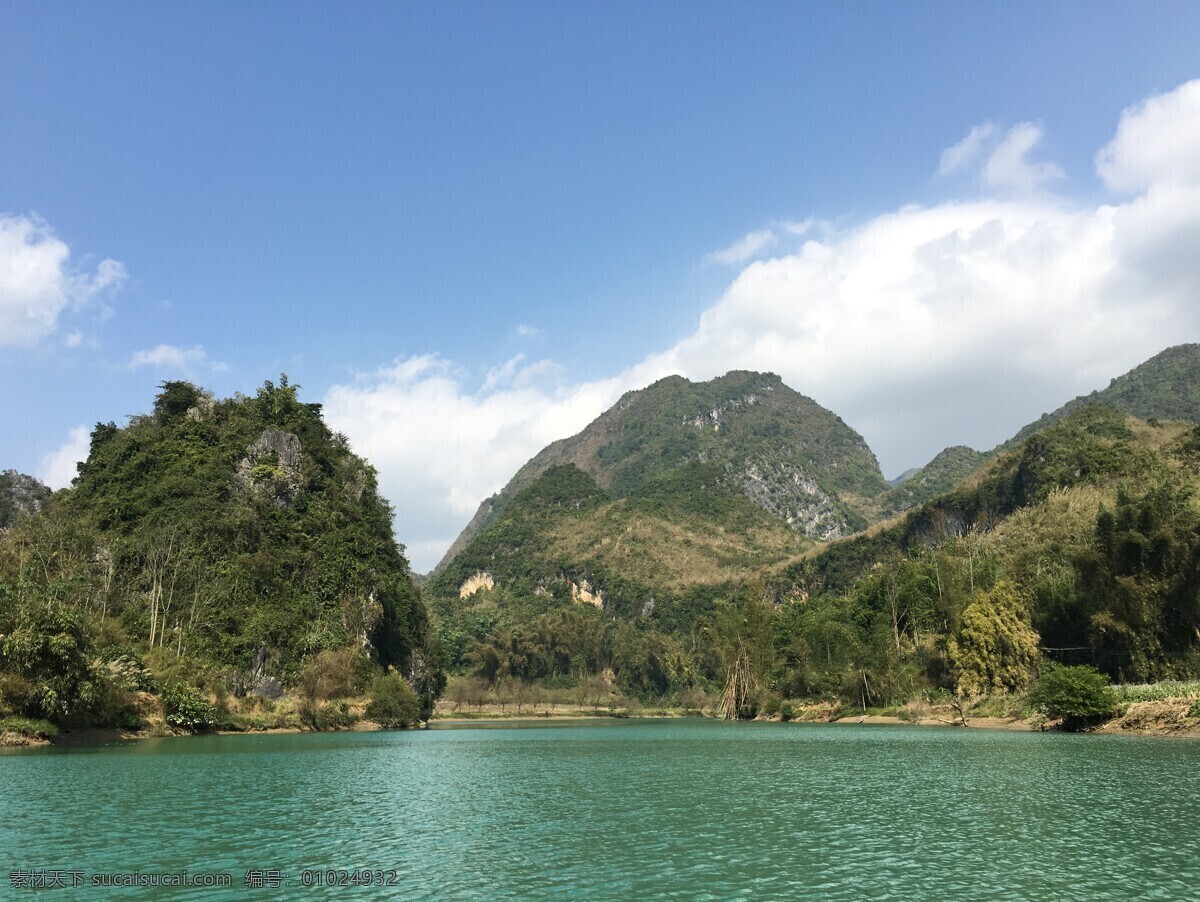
x,y
690,809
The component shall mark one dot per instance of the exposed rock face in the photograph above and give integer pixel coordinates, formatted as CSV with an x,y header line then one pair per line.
x,y
268,687
713,419
20,495
480,581
582,592
783,489
203,410
273,464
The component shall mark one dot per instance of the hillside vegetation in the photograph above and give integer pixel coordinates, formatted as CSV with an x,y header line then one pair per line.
x,y
1166,387
1077,545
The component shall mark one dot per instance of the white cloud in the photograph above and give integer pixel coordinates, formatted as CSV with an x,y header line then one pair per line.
x,y
526,331
441,448
923,327
38,282
1008,168
744,249
965,151
175,360
1156,143
57,468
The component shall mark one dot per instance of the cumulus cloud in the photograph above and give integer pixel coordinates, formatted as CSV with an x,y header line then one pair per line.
x,y
174,360
1157,143
967,150
1009,166
57,468
38,281
746,248
442,447
922,327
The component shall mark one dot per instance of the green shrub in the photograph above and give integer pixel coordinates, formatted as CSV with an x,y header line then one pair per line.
x,y
27,726
393,703
184,706
327,716
787,711
126,667
1081,696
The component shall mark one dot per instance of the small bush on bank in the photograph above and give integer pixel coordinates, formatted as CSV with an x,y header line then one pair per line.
x,y
28,726
1081,696
393,703
186,708
327,716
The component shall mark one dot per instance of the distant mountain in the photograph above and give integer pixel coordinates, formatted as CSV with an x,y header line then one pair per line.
x,y
20,495
779,449
944,472
906,475
1165,387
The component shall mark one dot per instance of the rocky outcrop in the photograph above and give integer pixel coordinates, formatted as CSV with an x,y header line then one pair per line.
x,y
273,464
478,582
783,489
20,496
583,592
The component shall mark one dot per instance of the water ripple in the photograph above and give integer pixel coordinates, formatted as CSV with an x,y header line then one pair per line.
x,y
695,810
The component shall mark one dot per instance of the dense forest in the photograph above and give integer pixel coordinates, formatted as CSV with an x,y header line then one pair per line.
x,y
211,551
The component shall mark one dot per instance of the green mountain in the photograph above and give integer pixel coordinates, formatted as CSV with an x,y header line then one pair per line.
x,y
781,450
625,554
1165,387
229,542
20,495
1092,521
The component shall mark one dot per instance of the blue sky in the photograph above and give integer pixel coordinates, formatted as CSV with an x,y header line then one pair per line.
x,y
467,228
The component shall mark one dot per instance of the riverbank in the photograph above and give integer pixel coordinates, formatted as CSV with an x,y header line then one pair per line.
x,y
1164,717
1168,717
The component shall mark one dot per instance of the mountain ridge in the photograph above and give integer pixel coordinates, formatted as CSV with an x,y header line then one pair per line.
x,y
785,452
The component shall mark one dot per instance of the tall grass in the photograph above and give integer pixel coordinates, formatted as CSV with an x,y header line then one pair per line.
x,y
1157,692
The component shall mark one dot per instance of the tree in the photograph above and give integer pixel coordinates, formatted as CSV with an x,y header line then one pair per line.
x,y
50,649
174,400
996,648
393,702
1081,696
742,638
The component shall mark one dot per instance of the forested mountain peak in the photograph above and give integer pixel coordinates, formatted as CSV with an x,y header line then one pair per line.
x,y
1165,387
785,452
239,534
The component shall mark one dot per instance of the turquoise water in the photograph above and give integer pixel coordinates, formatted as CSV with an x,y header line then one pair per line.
x,y
691,809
